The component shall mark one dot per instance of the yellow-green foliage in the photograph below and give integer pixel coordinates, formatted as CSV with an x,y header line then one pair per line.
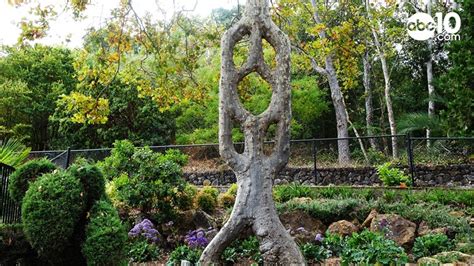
x,y
206,198
226,200
232,190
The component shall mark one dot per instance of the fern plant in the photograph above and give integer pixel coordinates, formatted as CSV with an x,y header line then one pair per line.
x,y
13,152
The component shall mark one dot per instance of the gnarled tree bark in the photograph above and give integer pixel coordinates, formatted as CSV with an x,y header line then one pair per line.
x,y
254,206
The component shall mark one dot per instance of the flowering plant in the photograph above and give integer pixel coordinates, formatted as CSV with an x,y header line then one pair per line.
x,y
196,239
146,229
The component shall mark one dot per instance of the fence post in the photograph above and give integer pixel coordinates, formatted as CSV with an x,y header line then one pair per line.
x,y
315,172
411,164
68,157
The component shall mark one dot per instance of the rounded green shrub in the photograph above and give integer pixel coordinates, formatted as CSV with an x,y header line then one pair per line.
x,y
105,236
431,244
184,199
91,178
233,190
50,210
226,200
27,173
206,198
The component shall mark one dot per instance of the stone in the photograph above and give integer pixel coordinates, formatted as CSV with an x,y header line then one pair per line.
x,y
424,229
399,229
342,228
428,261
461,257
277,181
333,262
366,224
300,219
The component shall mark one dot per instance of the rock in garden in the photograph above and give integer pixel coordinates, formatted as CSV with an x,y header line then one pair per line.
x,y
343,228
399,229
458,256
424,229
298,218
369,218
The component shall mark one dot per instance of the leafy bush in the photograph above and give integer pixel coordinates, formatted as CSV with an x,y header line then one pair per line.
x,y
27,173
92,180
143,251
185,198
371,248
184,253
50,210
206,198
147,180
14,246
233,190
431,244
391,176
226,200
239,249
314,253
105,236
285,193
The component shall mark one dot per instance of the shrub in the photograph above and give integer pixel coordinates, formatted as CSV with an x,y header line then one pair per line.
x,y
239,249
287,192
233,190
391,176
14,246
147,180
314,253
372,248
92,180
206,201
27,173
431,244
105,236
142,251
176,156
185,198
226,200
184,253
50,210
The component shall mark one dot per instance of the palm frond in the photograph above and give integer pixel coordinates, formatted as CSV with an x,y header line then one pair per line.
x,y
13,153
418,121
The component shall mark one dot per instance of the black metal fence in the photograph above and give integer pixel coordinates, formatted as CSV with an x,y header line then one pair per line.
x,y
315,153
9,209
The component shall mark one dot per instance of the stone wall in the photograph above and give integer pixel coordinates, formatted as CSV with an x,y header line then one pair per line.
x,y
446,175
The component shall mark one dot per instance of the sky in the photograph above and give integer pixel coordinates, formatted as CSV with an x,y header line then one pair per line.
x,y
64,27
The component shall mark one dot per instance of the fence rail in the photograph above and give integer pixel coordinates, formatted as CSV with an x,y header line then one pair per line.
x,y
9,209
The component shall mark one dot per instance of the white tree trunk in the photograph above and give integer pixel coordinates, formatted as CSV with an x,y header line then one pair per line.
x,y
254,206
429,75
336,96
387,90
369,108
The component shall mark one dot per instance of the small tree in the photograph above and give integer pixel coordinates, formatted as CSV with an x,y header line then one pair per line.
x,y
254,206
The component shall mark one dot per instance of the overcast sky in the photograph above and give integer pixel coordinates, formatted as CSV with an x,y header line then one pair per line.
x,y
97,12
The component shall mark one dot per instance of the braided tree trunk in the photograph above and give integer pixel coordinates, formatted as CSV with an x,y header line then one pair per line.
x,y
254,206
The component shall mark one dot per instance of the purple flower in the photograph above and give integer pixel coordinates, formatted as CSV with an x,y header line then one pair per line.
x,y
196,238
146,229
319,238
383,224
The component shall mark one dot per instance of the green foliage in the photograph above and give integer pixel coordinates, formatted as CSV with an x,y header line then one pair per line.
x,y
20,180
431,244
330,210
142,251
285,193
105,236
13,153
46,73
391,176
184,253
92,180
185,198
50,210
233,189
226,200
14,246
239,249
314,253
206,198
147,180
367,248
